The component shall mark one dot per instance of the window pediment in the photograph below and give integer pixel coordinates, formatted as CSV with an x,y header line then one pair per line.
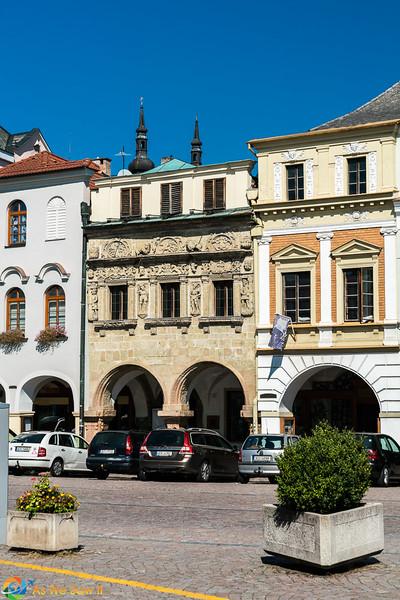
x,y
356,248
294,253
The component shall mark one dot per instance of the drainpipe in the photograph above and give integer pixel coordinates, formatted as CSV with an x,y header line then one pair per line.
x,y
85,216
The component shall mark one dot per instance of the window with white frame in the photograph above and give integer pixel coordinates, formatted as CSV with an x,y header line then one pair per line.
x,y
56,219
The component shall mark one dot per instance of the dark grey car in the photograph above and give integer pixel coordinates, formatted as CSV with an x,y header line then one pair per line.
x,y
259,453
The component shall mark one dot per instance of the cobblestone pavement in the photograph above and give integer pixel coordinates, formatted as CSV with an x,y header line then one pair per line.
x,y
204,538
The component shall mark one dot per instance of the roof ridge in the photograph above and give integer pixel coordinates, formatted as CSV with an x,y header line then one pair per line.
x,y
356,110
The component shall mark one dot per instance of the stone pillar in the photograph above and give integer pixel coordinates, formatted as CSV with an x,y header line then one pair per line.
x,y
390,320
205,280
389,240
325,324
131,301
152,309
263,283
236,295
184,312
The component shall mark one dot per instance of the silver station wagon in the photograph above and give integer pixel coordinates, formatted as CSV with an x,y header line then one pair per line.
x,y
259,453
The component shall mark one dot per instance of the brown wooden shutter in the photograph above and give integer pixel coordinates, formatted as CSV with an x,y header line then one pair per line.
x,y
165,199
125,203
208,194
176,198
135,202
220,193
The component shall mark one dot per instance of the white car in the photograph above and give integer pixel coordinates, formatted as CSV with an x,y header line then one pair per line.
x,y
54,451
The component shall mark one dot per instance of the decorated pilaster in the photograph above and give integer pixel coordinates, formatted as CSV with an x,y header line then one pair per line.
x,y
325,324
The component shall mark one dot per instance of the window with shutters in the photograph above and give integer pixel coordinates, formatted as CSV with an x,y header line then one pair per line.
x,y
131,202
56,219
16,309
214,194
171,198
17,223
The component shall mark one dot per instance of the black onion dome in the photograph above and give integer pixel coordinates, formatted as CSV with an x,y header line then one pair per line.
x,y
140,165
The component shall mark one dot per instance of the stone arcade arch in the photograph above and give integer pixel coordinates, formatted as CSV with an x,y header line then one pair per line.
x,y
333,393
51,399
215,397
129,396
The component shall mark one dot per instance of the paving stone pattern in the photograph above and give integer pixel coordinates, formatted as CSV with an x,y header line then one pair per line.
x,y
204,538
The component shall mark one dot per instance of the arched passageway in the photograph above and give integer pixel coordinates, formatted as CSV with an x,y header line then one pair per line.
x,y
337,395
53,401
132,397
216,397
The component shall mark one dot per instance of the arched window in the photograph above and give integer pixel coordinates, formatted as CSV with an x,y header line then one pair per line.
x,y
55,306
16,223
16,309
56,219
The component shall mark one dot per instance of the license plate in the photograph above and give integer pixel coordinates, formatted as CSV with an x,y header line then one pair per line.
x,y
164,453
22,449
262,458
107,451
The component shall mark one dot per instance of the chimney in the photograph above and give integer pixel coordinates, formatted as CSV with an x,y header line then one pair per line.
x,y
104,164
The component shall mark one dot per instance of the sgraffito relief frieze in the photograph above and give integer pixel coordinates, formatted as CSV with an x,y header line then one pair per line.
x,y
169,245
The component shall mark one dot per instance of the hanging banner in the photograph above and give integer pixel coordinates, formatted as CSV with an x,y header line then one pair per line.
x,y
279,332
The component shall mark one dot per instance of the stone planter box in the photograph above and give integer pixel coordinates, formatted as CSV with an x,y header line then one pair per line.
x,y
50,532
324,540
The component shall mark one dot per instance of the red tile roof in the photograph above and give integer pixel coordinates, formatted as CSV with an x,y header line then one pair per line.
x,y
44,162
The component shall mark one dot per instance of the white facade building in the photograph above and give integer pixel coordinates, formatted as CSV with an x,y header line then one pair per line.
x,y
40,286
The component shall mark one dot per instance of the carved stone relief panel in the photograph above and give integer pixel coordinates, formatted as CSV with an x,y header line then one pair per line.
x,y
93,301
246,297
117,249
339,182
277,181
372,172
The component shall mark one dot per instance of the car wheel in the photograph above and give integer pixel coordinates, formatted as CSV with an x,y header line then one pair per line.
x,y
102,474
204,473
272,478
57,467
243,478
383,480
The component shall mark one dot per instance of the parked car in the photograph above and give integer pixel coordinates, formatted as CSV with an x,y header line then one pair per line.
x,y
195,452
257,457
384,457
47,450
114,452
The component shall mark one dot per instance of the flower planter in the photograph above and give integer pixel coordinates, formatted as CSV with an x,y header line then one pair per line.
x,y
324,540
49,532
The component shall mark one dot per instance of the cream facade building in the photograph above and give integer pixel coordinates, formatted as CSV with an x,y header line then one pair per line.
x,y
327,254
170,296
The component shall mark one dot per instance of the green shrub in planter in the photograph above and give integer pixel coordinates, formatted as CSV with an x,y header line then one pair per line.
x,y
325,472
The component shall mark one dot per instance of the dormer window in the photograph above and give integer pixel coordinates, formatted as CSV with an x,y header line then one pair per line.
x,y
295,181
357,175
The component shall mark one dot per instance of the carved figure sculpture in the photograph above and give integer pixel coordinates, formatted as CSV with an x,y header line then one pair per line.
x,y
143,296
93,304
195,299
246,298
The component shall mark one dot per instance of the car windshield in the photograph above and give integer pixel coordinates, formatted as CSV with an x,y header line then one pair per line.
x,y
269,442
30,438
369,441
112,439
160,438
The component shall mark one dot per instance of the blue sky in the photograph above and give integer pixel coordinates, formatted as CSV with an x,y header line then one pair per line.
x,y
249,69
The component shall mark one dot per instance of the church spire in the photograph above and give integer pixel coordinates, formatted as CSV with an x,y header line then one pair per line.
x,y
196,145
141,162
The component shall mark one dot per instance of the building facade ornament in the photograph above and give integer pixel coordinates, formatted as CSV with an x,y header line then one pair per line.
x,y
195,299
143,299
339,183
246,298
356,216
372,174
117,249
294,221
325,235
354,147
388,231
309,178
292,154
277,181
